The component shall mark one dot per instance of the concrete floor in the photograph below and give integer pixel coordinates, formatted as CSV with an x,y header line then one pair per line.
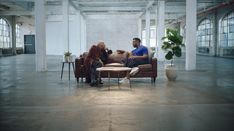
x,y
201,100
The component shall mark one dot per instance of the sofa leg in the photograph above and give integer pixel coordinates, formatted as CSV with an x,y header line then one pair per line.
x,y
154,79
77,79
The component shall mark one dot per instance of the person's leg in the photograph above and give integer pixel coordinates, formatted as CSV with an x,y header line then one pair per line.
x,y
133,63
94,74
130,62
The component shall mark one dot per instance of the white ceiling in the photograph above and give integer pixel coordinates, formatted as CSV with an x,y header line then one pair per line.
x,y
174,8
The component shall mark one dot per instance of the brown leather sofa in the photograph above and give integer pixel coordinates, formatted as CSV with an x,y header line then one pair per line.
x,y
145,70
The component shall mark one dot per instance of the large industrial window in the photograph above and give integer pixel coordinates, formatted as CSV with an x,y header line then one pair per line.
x,y
204,33
227,31
18,40
152,37
4,34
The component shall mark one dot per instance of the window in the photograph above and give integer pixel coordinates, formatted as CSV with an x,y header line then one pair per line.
x,y
18,40
204,33
227,31
4,34
152,37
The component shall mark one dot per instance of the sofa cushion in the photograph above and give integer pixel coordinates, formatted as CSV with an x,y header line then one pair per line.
x,y
114,65
151,53
116,57
145,67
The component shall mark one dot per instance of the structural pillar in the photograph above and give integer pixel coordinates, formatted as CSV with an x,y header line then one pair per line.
x,y
13,35
79,30
190,42
40,42
83,35
147,28
215,35
160,29
66,23
140,28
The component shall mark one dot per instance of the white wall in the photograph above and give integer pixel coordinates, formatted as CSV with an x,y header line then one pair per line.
x,y
116,31
55,42
55,36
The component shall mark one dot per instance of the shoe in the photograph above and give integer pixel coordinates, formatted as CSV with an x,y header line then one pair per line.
x,y
134,71
124,80
93,84
100,82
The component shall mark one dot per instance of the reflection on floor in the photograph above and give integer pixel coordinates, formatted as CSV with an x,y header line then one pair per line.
x,y
200,100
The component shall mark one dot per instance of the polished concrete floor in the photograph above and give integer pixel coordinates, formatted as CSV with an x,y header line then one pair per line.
x,y
200,100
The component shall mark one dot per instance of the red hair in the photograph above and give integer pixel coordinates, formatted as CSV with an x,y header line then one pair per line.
x,y
94,54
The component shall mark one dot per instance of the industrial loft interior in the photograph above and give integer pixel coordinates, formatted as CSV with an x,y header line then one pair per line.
x,y
116,65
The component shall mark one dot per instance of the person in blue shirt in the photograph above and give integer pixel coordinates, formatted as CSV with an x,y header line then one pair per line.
x,y
136,57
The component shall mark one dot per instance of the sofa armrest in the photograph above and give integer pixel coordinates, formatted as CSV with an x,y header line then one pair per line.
x,y
154,63
78,67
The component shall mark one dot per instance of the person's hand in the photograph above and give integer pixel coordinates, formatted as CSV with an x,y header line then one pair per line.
x,y
129,54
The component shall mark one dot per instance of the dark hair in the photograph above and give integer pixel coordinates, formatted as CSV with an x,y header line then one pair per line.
x,y
137,39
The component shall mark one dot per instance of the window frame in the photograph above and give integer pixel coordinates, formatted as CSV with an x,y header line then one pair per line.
x,y
5,34
226,38
204,33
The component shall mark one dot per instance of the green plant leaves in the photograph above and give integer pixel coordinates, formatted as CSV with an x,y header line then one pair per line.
x,y
166,45
67,53
169,55
177,51
172,44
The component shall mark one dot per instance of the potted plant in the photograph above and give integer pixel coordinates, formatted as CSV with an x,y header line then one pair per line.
x,y
172,44
67,56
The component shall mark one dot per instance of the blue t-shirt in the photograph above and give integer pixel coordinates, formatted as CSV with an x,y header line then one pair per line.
x,y
140,51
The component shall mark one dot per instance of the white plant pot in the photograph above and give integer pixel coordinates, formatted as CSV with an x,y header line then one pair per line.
x,y
171,72
68,58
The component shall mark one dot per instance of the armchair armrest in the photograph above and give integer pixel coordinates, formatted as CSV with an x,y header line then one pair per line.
x,y
78,67
154,63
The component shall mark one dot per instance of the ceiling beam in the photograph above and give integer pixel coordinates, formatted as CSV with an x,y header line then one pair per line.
x,y
17,0
93,9
26,0
4,7
17,13
149,5
90,3
177,9
76,6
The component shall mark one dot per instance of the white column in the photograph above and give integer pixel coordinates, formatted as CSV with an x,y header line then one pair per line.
x,y
140,28
191,22
160,29
13,35
83,35
79,31
66,23
40,43
147,28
